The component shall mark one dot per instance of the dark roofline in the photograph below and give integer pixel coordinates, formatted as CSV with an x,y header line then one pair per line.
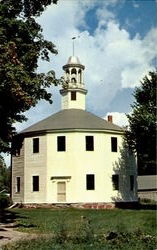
x,y
73,65
48,131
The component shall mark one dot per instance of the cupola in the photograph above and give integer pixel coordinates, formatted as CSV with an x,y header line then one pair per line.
x,y
73,91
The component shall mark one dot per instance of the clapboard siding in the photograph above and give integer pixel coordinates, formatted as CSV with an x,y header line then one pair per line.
x,y
18,171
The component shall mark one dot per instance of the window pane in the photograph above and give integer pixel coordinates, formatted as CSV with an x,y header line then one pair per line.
x,y
114,144
73,95
131,182
35,183
115,181
90,185
89,143
36,145
18,184
61,143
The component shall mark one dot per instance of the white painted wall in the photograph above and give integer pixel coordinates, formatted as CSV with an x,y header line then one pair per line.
x,y
75,163
35,164
67,103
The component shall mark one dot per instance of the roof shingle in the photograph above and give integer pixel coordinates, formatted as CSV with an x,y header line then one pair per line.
x,y
72,119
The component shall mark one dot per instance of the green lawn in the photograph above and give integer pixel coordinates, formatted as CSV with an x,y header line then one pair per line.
x,y
87,229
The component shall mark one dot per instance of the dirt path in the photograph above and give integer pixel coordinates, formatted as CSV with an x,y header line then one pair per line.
x,y
8,234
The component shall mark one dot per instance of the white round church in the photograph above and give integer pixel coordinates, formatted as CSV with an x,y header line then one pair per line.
x,y
73,157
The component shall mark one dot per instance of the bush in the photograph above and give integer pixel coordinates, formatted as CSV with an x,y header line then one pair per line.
x,y
61,233
84,233
4,201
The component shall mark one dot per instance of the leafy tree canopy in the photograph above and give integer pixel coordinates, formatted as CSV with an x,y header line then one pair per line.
x,y
142,134
21,46
4,176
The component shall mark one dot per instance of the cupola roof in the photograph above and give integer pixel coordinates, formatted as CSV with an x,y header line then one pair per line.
x,y
73,60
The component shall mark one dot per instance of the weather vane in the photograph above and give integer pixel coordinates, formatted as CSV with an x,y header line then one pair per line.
x,y
73,38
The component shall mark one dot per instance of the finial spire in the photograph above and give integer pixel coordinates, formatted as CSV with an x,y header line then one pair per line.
x,y
73,38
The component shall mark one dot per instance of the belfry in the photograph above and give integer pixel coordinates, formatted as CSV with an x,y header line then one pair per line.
x,y
73,92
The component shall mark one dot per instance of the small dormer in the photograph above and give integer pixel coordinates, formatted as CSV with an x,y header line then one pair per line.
x,y
73,92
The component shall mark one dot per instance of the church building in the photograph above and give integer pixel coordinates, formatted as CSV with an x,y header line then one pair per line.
x,y
73,157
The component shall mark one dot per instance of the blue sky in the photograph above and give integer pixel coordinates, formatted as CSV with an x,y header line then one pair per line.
x,y
137,16
117,45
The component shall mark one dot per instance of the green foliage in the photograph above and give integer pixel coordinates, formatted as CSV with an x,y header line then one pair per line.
x,y
4,201
86,229
5,175
141,137
84,233
103,221
61,233
21,46
112,240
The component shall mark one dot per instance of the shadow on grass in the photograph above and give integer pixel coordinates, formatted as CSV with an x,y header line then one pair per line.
x,y
148,206
135,205
8,216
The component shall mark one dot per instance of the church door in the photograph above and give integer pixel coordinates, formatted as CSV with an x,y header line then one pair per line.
x,y
61,191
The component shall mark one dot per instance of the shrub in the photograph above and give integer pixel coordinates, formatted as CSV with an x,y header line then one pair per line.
x,y
84,233
4,201
61,233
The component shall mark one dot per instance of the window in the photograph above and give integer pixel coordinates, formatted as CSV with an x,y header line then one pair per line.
x,y
73,80
80,76
89,143
131,182
17,184
36,145
35,183
90,185
114,144
73,95
115,181
73,71
61,143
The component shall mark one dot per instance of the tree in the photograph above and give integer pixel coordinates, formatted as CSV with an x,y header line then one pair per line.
x,y
21,46
141,136
4,176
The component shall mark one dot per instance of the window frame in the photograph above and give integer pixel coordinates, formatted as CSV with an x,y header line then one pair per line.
x,y
115,182
35,186
89,144
60,147
114,144
73,96
18,184
36,145
132,182
90,182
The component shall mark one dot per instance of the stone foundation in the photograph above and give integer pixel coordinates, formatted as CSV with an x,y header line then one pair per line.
x,y
80,205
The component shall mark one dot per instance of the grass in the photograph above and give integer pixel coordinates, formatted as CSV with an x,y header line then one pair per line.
x,y
87,229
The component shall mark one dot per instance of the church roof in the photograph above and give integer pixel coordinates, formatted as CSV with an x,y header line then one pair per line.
x,y
69,119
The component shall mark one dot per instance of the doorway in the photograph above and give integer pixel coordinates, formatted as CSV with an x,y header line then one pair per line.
x,y
61,191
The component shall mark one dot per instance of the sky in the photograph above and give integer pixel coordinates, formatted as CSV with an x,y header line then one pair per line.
x,y
116,41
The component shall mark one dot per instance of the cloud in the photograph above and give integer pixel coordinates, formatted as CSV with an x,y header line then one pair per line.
x,y
104,15
113,59
135,4
119,119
